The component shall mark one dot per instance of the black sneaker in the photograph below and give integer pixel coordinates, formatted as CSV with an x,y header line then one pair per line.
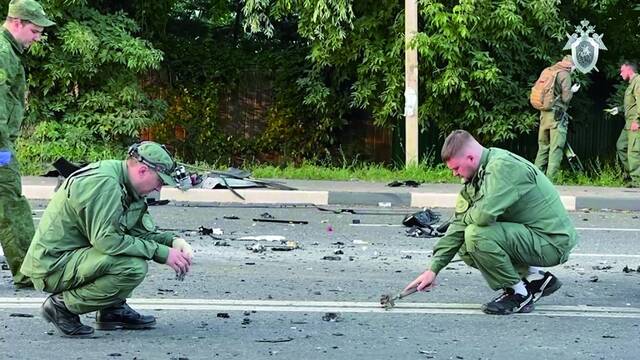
x,y
508,303
543,287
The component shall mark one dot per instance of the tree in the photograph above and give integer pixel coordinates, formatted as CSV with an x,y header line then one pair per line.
x,y
86,100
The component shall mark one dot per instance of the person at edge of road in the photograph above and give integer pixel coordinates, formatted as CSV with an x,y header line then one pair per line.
x,y
508,221
92,244
628,146
23,26
552,134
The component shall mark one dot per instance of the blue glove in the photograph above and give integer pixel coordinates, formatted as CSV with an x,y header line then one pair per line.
x,y
5,158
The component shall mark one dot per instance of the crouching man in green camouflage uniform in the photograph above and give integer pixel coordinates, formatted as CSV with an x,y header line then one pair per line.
x,y
23,26
508,221
91,247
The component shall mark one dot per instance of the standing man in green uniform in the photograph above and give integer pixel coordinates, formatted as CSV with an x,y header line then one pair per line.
x,y
628,146
94,239
552,134
23,26
508,221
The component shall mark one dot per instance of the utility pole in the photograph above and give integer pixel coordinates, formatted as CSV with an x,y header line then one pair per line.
x,y
411,83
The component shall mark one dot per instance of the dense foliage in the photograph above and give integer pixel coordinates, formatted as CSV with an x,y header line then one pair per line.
x,y
227,81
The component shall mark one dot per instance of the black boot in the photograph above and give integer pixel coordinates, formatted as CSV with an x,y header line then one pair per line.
x,y
67,323
124,317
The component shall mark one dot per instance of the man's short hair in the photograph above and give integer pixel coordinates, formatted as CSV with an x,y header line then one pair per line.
x,y
454,143
631,64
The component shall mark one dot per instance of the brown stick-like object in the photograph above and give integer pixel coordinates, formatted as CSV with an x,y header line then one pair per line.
x,y
388,301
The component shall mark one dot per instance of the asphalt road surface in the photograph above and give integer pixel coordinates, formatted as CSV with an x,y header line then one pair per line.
x,y
238,303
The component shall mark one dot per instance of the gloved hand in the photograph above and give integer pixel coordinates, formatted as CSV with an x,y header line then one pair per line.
x,y
182,245
612,111
178,261
5,157
575,88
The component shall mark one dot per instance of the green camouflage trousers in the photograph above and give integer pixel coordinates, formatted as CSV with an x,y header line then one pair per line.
x,y
16,223
628,152
91,280
504,251
552,136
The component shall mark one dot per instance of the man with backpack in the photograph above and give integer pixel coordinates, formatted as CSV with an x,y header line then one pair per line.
x,y
551,95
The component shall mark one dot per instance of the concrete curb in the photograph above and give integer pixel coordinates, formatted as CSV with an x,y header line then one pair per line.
x,y
361,193
266,196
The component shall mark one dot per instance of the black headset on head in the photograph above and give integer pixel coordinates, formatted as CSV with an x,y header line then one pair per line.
x,y
134,153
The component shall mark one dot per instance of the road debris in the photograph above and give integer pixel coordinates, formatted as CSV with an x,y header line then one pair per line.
x,y
332,258
601,267
275,340
332,317
266,215
22,315
409,183
282,221
628,270
210,231
223,315
388,300
593,278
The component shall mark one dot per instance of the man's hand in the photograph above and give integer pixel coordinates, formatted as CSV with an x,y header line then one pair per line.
x,y
575,88
5,157
181,244
634,126
178,261
425,281
613,111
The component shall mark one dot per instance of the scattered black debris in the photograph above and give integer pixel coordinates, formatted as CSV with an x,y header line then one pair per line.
x,y
223,315
405,257
246,321
423,232
266,215
205,231
21,315
422,218
627,269
332,258
355,221
154,202
331,317
249,263
256,248
337,334
221,243
165,290
410,183
593,278
114,354
339,243
608,337
601,267
338,252
282,221
232,217
275,340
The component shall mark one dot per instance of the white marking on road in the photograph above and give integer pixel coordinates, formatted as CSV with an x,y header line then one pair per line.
x,y
607,229
632,256
607,255
342,306
38,210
